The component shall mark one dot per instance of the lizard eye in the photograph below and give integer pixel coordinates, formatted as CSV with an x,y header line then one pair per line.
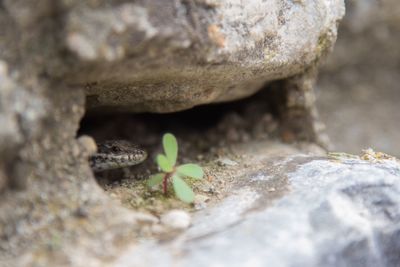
x,y
115,149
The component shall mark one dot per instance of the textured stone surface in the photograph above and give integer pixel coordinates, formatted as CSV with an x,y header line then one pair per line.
x,y
165,56
280,211
335,213
22,104
47,187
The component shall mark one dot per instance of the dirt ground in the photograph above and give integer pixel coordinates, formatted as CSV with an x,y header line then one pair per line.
x,y
206,135
218,137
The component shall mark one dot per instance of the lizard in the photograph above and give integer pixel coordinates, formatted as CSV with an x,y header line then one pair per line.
x,y
115,154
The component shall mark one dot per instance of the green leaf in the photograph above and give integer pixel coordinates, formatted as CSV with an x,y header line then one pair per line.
x,y
191,170
182,190
155,179
170,147
164,163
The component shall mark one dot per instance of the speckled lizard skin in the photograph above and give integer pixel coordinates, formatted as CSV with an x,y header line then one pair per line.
x,y
114,154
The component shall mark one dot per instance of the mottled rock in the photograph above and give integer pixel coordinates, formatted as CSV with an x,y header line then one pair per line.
x,y
164,56
157,56
334,213
48,194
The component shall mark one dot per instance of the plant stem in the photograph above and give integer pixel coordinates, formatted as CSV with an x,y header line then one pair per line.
x,y
165,182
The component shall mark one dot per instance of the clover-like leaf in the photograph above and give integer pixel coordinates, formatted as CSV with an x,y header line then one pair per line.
x,y
155,179
164,163
191,170
170,147
182,190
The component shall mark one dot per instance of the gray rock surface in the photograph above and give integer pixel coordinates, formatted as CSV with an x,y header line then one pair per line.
x,y
164,56
171,55
335,213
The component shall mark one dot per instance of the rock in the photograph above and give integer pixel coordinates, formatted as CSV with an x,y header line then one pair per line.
x,y
227,162
176,219
87,144
334,213
362,72
144,218
367,20
21,115
39,155
200,201
167,56
157,56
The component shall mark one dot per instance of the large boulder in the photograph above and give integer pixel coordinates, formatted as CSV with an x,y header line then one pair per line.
x,y
164,56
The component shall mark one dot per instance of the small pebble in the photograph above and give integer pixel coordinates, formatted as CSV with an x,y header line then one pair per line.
x,y
226,162
207,188
176,219
88,144
145,218
3,68
157,229
81,212
200,202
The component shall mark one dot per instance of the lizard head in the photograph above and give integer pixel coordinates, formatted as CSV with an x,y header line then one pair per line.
x,y
115,154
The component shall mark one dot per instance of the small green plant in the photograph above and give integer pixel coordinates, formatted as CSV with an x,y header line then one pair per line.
x,y
173,173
